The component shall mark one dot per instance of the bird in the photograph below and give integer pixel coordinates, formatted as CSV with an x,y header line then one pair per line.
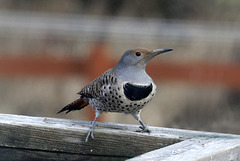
x,y
125,88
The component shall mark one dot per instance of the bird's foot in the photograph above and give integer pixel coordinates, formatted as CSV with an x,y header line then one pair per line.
x,y
144,129
90,132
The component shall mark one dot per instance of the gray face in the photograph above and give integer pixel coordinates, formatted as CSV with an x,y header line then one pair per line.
x,y
134,57
139,57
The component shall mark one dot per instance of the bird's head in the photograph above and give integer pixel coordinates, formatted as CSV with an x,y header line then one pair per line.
x,y
139,57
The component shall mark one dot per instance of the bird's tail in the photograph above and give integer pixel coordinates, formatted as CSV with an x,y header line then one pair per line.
x,y
75,105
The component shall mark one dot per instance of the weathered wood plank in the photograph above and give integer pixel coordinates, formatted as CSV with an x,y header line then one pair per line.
x,y
61,135
214,149
61,138
25,155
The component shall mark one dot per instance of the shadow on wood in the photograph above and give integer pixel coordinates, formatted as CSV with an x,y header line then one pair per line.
x,y
25,137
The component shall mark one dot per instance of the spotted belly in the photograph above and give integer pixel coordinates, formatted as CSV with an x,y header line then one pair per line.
x,y
116,99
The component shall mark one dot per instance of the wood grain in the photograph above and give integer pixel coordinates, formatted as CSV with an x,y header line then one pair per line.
x,y
61,135
203,149
26,137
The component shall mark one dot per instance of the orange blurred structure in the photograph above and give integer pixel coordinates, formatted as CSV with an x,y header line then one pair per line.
x,y
99,61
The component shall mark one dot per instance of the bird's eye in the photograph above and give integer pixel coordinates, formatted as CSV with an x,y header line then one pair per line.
x,y
137,53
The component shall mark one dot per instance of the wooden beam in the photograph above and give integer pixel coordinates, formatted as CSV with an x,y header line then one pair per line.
x,y
203,149
41,137
26,154
68,136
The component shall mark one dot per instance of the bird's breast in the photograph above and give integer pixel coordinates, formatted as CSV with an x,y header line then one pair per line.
x,y
125,97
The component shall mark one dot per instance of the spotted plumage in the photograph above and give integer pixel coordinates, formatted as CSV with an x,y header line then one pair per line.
x,y
126,88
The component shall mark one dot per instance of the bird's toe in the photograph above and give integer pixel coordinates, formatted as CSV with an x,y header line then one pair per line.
x,y
144,129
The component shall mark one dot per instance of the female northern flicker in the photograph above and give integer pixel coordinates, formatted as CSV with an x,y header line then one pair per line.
x,y
126,88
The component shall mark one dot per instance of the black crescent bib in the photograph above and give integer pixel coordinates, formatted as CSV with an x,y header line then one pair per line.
x,y
136,92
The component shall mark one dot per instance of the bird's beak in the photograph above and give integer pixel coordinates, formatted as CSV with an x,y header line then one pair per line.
x,y
159,51
152,54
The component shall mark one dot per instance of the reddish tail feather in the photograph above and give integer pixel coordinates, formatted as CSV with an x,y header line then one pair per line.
x,y
75,105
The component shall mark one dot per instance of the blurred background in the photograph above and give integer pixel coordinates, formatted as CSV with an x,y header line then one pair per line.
x,y
49,50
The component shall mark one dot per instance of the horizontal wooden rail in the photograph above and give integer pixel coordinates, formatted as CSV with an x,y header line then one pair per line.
x,y
41,138
201,73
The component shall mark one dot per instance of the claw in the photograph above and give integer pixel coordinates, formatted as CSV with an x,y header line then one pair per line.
x,y
144,129
89,133
92,135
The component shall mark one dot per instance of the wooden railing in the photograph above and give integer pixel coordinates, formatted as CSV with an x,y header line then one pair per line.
x,y
42,138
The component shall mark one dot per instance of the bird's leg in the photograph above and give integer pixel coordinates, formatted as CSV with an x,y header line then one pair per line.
x,y
92,125
143,127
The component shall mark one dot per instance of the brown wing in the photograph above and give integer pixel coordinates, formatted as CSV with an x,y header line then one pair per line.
x,y
92,90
